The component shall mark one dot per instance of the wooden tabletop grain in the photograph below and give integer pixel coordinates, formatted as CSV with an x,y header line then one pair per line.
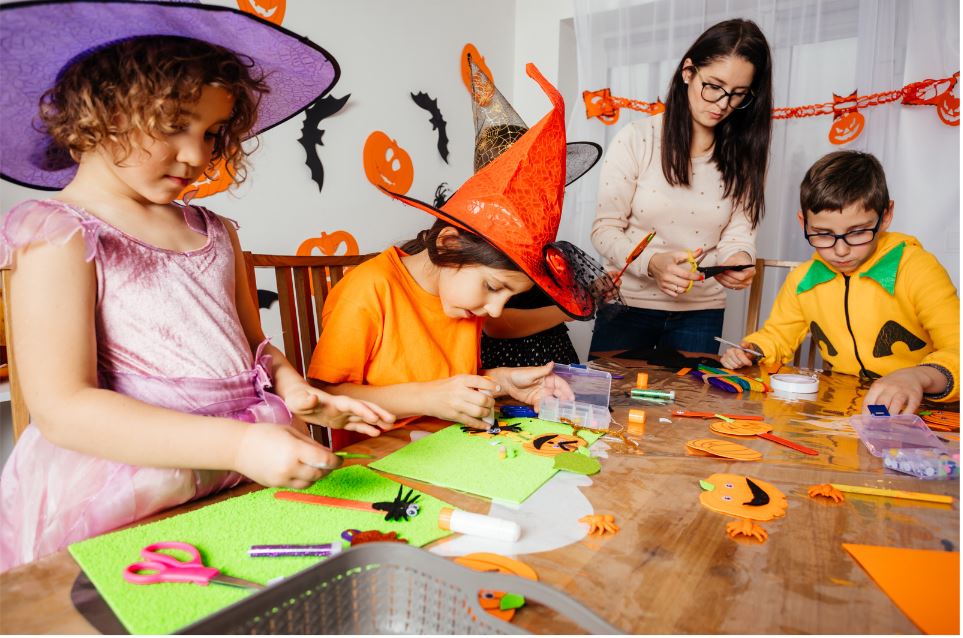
x,y
671,568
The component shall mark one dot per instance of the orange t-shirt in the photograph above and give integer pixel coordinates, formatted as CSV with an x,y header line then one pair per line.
x,y
379,327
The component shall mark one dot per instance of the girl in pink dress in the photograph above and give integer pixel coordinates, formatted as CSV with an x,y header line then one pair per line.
x,y
139,348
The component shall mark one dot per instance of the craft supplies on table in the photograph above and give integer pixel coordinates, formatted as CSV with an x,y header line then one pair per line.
x,y
739,347
588,385
924,463
575,413
479,525
794,383
648,394
158,567
878,491
903,431
321,549
712,415
760,429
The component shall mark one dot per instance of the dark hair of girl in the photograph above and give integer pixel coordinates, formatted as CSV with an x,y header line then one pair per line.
x,y
467,249
741,148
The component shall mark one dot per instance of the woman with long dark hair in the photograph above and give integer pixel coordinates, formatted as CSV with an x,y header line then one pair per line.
x,y
696,176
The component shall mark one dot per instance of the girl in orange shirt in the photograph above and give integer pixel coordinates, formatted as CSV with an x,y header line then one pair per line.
x,y
404,328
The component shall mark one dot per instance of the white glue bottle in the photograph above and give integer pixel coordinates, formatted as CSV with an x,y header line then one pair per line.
x,y
478,525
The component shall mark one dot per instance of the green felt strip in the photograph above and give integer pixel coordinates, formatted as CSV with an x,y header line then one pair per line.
x,y
470,463
224,531
577,463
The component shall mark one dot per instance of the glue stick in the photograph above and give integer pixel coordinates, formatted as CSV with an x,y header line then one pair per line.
x,y
478,525
490,419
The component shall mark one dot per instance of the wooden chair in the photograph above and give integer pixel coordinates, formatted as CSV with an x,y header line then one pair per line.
x,y
755,301
303,283
18,407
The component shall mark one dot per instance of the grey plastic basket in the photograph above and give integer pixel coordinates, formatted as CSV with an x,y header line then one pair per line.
x,y
387,588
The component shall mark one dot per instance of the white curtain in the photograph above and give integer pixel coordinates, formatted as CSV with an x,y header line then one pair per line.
x,y
819,47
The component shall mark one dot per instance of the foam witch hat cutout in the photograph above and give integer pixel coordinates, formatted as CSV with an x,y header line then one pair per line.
x,y
41,38
514,199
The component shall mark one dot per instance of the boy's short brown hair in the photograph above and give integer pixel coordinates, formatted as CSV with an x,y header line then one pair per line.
x,y
840,179
144,84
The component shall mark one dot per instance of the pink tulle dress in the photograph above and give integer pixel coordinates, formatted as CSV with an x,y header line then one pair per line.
x,y
168,334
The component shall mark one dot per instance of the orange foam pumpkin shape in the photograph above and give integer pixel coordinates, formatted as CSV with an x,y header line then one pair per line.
x,y
270,10
743,497
724,449
329,243
553,444
216,179
479,61
386,164
490,600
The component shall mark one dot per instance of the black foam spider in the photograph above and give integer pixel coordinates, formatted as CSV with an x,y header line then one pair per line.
x,y
492,429
402,507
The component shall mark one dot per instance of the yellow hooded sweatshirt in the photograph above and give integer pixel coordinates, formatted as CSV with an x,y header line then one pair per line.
x,y
898,310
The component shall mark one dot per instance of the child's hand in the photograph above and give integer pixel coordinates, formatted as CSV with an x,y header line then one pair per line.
x,y
338,411
459,399
901,391
532,384
736,279
734,358
671,276
281,456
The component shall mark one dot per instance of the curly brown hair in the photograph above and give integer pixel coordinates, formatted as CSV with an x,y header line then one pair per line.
x,y
144,84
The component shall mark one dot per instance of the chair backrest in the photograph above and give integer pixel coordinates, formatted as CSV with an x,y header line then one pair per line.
x,y
755,301
18,407
303,283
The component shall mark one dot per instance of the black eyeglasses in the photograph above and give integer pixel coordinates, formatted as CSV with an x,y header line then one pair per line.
x,y
715,93
858,237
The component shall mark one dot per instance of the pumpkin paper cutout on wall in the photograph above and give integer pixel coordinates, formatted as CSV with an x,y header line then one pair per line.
x,y
479,61
311,135
386,164
938,93
847,120
216,179
328,244
747,499
437,122
270,10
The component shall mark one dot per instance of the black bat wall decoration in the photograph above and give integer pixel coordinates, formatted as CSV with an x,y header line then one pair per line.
x,y
438,123
311,136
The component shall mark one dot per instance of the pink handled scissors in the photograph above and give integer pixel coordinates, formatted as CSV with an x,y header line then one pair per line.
x,y
164,568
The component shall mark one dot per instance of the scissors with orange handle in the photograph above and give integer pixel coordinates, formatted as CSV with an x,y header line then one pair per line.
x,y
158,567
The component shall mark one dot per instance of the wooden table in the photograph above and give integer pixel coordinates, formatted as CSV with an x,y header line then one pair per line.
x,y
671,568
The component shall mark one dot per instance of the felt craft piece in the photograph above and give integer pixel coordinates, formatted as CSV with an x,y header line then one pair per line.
x,y
734,427
311,135
224,531
216,179
577,463
924,584
450,458
827,491
386,164
495,602
270,10
724,449
437,122
600,524
745,498
374,536
553,444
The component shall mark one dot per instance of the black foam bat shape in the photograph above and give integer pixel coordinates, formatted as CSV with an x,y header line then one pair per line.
x,y
265,298
438,123
311,136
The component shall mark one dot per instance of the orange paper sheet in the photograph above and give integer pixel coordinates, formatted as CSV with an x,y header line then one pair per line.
x,y
924,584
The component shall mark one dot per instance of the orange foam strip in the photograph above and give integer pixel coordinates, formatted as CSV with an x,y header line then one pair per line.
x,y
330,501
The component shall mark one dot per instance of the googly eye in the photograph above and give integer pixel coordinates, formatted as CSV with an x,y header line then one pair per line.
x,y
490,595
727,498
729,485
412,510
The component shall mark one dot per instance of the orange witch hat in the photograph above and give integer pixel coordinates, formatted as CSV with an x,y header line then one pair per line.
x,y
515,203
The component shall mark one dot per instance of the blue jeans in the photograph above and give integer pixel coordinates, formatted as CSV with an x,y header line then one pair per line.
x,y
628,328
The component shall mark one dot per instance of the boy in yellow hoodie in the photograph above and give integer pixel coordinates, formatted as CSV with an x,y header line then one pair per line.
x,y
877,304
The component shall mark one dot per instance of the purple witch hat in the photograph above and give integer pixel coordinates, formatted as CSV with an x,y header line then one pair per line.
x,y
38,38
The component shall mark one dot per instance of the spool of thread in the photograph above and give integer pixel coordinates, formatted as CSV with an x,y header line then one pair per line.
x,y
478,525
795,383
642,381
660,395
323,549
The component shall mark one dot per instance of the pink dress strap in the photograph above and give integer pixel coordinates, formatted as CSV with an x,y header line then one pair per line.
x,y
38,221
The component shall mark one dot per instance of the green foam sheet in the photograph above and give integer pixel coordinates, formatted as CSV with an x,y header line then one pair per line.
x,y
456,460
224,531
